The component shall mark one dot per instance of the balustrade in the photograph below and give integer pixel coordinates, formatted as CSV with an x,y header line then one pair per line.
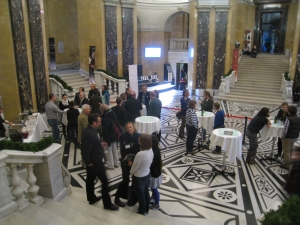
x,y
179,44
116,86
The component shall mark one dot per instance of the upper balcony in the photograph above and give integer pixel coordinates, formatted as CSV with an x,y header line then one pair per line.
x,y
179,45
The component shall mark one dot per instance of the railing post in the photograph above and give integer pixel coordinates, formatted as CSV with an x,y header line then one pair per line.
x,y
245,128
33,189
17,190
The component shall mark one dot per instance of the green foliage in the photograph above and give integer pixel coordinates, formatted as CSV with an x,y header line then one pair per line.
x,y
287,76
112,75
287,214
27,147
63,83
228,74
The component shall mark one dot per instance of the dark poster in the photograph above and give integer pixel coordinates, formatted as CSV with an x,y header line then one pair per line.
x,y
92,65
52,54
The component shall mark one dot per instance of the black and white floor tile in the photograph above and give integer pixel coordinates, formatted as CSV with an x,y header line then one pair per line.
x,y
191,190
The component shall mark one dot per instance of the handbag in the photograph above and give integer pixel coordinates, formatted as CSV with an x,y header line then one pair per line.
x,y
132,198
129,157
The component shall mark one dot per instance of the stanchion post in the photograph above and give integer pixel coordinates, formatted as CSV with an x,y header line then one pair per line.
x,y
245,127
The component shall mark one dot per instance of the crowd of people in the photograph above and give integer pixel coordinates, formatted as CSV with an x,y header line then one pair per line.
x,y
99,130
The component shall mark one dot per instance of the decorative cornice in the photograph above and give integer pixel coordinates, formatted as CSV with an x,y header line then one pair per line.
x,y
128,3
248,2
222,8
204,8
111,2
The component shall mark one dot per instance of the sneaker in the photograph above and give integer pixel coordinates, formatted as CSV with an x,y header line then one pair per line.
x,y
152,201
282,166
154,207
216,152
194,152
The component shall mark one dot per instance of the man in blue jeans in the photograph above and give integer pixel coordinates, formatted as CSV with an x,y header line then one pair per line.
x,y
51,113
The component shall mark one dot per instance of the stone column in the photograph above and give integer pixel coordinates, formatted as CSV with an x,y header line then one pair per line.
x,y
220,44
127,35
111,35
296,46
201,51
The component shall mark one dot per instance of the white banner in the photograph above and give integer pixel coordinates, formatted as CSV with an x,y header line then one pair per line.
x,y
133,78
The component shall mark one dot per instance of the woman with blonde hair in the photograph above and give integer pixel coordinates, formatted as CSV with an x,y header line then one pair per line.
x,y
129,144
140,172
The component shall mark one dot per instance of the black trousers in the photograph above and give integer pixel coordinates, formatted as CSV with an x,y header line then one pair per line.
x,y
97,170
122,191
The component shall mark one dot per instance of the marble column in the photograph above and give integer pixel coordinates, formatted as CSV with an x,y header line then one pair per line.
x,y
37,49
111,36
202,47
21,57
220,44
127,37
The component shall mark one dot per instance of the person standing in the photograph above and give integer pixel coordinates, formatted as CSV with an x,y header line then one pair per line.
x,y
255,125
191,127
155,109
83,99
93,91
184,102
105,95
76,99
133,107
289,135
140,172
83,120
109,120
95,102
93,153
120,112
144,96
72,116
281,115
129,144
64,104
51,114
128,92
206,105
219,123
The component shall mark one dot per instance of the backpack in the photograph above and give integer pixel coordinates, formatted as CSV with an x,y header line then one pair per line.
x,y
116,127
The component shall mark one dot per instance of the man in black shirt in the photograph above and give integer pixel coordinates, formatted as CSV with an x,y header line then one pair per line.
x,y
255,125
92,154
95,102
120,112
133,107
144,96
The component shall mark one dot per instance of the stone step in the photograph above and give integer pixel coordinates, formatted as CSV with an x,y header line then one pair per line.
x,y
74,78
16,218
254,89
254,98
262,102
265,84
42,216
69,214
255,94
259,78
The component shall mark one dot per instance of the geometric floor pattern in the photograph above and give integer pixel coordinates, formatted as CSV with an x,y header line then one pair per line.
x,y
191,190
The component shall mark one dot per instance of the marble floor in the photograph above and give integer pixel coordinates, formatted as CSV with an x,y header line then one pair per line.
x,y
191,190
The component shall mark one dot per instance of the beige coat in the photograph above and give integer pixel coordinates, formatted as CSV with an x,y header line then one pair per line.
x,y
82,123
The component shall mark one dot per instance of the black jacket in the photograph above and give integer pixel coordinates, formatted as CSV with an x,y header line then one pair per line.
x,y
92,93
129,144
133,107
72,116
94,103
108,120
83,102
294,128
207,105
121,114
91,146
62,106
76,99
280,115
156,166
147,98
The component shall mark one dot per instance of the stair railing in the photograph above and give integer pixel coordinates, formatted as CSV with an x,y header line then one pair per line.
x,y
287,90
57,89
226,83
116,86
44,176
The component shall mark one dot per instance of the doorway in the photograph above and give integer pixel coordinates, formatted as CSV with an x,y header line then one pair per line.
x,y
270,29
181,72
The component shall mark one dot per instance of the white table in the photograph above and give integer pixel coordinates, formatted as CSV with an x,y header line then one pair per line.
x,y
40,126
230,144
64,118
274,131
205,122
144,111
147,124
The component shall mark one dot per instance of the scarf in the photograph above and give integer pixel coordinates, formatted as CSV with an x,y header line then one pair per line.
x,y
65,102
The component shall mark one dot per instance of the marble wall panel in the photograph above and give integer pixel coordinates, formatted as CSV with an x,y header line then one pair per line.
x,y
297,71
127,39
37,49
21,57
111,39
220,47
202,49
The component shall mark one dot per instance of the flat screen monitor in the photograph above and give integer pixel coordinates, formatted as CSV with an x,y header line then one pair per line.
x,y
152,52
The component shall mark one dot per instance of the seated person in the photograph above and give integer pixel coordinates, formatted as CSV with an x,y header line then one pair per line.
x,y
254,52
246,50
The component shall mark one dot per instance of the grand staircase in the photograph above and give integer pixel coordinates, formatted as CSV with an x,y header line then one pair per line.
x,y
74,210
259,80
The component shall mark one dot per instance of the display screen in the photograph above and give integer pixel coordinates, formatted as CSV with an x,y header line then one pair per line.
x,y
152,52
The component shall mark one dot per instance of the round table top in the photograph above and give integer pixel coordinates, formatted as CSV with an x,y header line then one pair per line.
x,y
227,133
147,119
279,124
206,114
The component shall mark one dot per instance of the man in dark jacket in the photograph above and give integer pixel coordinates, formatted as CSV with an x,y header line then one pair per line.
x,y
144,96
92,153
120,112
155,105
93,91
95,102
109,121
76,99
289,135
83,99
133,107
